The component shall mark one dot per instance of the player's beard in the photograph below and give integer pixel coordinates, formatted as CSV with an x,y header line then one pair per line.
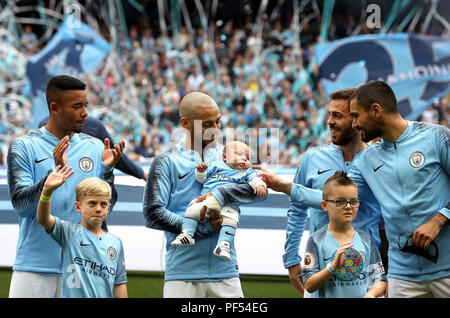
x,y
369,134
345,136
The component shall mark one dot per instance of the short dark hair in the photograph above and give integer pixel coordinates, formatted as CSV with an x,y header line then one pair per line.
x,y
59,84
342,94
376,92
338,179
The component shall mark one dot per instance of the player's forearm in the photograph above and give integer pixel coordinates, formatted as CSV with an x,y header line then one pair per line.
x,y
126,165
120,291
23,198
306,196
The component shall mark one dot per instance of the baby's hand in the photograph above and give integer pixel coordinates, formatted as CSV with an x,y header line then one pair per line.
x,y
202,166
260,191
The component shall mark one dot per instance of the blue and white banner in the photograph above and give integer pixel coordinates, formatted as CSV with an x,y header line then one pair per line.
x,y
74,50
417,67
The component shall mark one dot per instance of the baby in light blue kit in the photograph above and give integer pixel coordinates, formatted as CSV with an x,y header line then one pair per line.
x,y
234,169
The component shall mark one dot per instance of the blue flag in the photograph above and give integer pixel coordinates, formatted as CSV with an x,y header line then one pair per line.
x,y
417,67
74,50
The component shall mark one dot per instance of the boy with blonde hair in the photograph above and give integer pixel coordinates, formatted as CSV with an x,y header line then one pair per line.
x,y
93,260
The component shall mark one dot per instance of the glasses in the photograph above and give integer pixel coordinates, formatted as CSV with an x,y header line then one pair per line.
x,y
343,203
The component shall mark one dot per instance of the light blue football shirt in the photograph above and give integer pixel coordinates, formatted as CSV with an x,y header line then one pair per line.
x,y
411,180
359,273
92,264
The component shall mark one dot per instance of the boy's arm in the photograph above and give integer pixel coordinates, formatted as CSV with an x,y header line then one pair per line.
x,y
120,291
318,279
43,211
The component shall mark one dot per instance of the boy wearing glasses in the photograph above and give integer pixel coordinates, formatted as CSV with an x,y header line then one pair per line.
x,y
340,260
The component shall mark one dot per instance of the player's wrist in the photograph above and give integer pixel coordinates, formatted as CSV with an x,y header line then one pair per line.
x,y
286,187
440,220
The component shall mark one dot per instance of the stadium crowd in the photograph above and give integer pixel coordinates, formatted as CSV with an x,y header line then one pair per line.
x,y
259,82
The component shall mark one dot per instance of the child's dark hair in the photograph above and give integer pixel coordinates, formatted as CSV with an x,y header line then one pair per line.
x,y
338,179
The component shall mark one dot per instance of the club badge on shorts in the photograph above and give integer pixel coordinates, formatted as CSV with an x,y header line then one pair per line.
x,y
86,164
417,159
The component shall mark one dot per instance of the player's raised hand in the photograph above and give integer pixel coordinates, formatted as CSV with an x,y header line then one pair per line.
x,y
111,156
57,178
60,151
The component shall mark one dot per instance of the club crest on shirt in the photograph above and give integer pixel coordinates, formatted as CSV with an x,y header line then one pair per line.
x,y
309,260
86,164
112,253
417,159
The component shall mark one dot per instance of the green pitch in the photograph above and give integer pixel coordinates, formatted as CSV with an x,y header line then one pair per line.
x,y
150,285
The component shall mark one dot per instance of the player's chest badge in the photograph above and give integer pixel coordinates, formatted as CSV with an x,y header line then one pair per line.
x,y
417,159
86,164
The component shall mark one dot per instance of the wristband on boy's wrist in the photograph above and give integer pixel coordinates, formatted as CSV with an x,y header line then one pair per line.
x,y
45,198
330,268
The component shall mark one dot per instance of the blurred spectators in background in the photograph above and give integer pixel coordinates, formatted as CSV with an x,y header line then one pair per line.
x,y
156,69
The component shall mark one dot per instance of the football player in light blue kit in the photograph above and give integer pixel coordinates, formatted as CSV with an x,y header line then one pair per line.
x,y
317,165
93,259
341,260
31,158
233,169
171,185
409,174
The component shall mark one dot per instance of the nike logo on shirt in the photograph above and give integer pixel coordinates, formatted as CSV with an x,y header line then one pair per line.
x,y
375,169
181,177
323,171
37,161
83,244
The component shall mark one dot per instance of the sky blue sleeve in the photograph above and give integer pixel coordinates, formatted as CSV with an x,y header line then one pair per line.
x,y
296,220
121,274
62,231
375,269
156,198
313,253
357,177
24,193
300,192
443,149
